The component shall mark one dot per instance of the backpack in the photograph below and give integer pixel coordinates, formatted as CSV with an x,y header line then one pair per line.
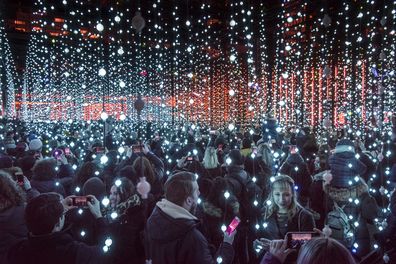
x,y
250,198
341,227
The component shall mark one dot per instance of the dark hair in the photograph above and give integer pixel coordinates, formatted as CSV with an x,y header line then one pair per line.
x,y
130,173
44,170
86,172
179,186
10,194
143,165
43,212
126,189
324,250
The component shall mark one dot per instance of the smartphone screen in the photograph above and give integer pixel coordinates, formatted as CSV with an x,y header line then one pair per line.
x,y
297,239
57,153
80,201
190,158
19,177
99,150
233,225
67,151
212,132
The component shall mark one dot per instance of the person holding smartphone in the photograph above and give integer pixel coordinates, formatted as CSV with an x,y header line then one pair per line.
x,y
283,213
172,229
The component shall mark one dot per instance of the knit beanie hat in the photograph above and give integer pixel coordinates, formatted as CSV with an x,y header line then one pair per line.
x,y
94,186
345,145
35,144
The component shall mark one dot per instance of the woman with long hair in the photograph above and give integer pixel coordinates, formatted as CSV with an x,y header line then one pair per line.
x,y
12,211
282,212
211,163
127,213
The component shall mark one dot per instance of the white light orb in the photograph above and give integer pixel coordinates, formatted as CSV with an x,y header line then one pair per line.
x,y
99,27
102,72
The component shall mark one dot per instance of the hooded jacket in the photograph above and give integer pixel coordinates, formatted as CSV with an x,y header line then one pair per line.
x,y
174,237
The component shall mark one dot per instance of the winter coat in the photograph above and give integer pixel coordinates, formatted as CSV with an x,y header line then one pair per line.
x,y
12,229
127,231
364,212
238,180
302,221
174,238
58,247
213,218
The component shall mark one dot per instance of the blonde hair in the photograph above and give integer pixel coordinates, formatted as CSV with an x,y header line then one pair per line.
x,y
210,160
284,182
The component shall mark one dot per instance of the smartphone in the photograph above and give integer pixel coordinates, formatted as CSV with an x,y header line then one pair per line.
x,y
57,153
80,201
233,225
220,147
255,150
296,239
99,150
190,158
137,148
19,177
67,151
212,132
293,149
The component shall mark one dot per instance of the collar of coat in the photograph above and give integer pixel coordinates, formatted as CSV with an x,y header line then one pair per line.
x,y
175,211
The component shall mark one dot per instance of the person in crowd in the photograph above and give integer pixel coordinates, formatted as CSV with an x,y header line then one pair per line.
x,y
322,250
26,163
83,224
211,162
348,190
45,177
127,215
282,212
151,167
297,169
12,211
172,228
87,171
217,211
47,241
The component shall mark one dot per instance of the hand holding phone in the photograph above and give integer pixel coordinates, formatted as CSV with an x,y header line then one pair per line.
x,y
233,225
19,178
296,239
80,201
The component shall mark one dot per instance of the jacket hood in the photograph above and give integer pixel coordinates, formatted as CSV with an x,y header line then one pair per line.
x,y
170,222
344,194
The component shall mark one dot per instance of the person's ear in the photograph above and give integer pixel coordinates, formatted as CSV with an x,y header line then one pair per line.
x,y
189,201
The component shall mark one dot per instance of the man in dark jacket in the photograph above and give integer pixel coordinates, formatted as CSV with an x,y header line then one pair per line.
x,y
47,243
173,234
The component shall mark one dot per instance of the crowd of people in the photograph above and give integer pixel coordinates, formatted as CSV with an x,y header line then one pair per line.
x,y
112,192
